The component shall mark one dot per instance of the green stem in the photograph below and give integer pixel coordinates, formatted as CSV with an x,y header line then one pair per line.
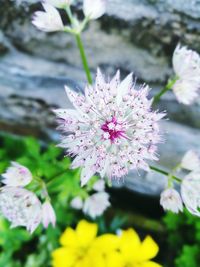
x,y
164,90
166,173
83,57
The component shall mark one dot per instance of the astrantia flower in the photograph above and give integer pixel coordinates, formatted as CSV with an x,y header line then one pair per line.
x,y
191,161
17,175
190,192
58,3
48,20
48,214
21,207
186,64
171,200
94,9
96,204
112,130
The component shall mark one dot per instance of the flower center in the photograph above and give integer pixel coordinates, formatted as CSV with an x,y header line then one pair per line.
x,y
113,130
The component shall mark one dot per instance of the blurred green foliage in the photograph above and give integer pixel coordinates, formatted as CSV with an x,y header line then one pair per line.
x,y
17,247
183,238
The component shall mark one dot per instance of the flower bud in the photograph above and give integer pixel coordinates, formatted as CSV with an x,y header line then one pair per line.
x,y
170,199
48,214
77,203
94,9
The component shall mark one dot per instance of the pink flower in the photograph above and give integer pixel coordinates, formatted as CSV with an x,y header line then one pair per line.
x,y
17,175
94,9
112,130
186,64
48,214
21,207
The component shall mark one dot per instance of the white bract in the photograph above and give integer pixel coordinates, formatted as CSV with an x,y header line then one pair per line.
x,y
186,64
171,200
17,175
113,129
96,204
76,203
94,9
48,214
191,161
190,192
48,20
21,207
59,3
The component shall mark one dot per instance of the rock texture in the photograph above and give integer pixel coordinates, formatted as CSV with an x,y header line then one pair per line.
x,y
134,35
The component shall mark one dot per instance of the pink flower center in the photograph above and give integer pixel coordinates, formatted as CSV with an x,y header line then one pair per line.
x,y
113,130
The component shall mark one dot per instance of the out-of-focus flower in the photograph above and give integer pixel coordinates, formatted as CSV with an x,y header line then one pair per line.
x,y
137,253
171,200
48,20
59,3
83,248
21,207
76,246
190,189
191,161
94,9
112,130
48,214
77,203
186,64
99,186
17,175
96,204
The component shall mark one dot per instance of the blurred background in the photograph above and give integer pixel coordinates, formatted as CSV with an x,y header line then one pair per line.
x,y
134,36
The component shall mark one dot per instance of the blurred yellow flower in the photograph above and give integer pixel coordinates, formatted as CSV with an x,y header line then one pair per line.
x,y
82,248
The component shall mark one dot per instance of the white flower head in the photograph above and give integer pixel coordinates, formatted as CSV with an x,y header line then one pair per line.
x,y
94,9
190,192
191,161
48,20
58,3
48,214
171,200
16,175
96,204
186,64
99,185
77,203
21,207
112,130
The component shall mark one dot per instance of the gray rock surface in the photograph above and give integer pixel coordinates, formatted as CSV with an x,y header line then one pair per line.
x,y
134,35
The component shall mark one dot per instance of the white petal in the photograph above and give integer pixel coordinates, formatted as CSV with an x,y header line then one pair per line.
x,y
94,8
124,87
191,161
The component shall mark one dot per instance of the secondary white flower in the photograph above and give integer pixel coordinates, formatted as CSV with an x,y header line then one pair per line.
x,y
48,214
48,20
190,192
186,64
94,9
16,175
99,185
77,203
191,161
21,207
170,199
96,204
58,3
113,129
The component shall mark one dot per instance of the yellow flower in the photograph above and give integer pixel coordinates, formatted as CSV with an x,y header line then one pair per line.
x,y
135,253
76,246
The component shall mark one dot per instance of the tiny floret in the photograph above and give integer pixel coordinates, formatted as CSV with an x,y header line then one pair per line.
x,y
186,64
113,129
48,20
171,200
16,175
